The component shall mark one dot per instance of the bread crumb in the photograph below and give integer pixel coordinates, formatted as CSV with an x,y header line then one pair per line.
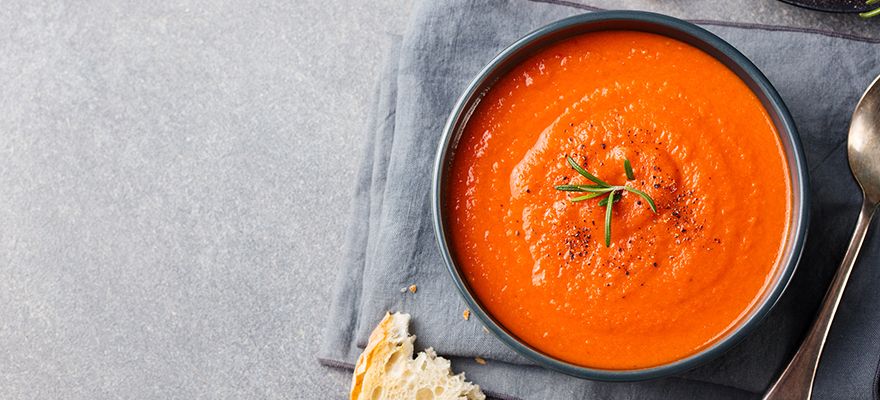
x,y
480,360
466,314
402,290
413,288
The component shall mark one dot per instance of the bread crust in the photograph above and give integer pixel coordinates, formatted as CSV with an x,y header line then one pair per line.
x,y
374,351
386,369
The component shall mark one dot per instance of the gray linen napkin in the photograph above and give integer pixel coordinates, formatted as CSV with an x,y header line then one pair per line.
x,y
391,246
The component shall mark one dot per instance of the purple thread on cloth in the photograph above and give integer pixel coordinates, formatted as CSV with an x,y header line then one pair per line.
x,y
780,28
877,382
336,364
773,28
490,393
569,4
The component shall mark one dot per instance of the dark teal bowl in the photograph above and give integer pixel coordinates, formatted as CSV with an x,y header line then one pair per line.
x,y
673,28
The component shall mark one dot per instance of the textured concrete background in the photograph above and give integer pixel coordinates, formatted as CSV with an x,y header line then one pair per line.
x,y
175,181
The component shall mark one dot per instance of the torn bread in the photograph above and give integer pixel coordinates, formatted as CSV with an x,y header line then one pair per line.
x,y
387,371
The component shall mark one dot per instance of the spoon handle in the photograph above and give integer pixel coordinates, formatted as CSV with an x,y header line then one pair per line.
x,y
796,382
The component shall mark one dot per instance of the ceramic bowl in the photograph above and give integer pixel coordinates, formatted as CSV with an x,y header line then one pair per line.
x,y
685,32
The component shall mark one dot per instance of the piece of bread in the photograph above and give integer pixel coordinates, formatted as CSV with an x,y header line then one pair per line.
x,y
387,371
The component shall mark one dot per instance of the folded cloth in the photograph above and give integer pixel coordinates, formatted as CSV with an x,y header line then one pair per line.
x,y
391,245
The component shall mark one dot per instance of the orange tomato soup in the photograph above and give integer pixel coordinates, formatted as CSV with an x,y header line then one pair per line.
x,y
701,145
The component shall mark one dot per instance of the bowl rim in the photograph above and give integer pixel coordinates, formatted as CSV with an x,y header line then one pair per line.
x,y
670,27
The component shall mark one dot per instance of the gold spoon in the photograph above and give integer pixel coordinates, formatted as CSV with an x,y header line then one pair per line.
x,y
863,149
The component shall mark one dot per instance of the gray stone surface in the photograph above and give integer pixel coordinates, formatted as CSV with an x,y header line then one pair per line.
x,y
173,192
175,182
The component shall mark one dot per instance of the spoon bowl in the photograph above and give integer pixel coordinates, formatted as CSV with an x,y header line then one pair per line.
x,y
863,146
863,151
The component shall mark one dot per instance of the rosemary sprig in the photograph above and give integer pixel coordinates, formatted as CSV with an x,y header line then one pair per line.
x,y
873,12
615,193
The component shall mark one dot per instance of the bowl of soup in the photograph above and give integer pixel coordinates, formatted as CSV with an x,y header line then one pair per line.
x,y
620,196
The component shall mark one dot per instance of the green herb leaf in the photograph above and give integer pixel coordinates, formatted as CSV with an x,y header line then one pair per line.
x,y
583,188
629,169
871,13
584,172
608,221
615,193
644,196
604,202
589,196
